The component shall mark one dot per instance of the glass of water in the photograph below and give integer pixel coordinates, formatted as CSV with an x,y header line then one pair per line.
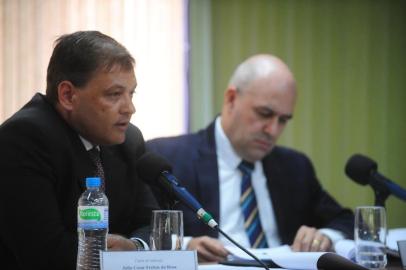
x,y
166,230
370,236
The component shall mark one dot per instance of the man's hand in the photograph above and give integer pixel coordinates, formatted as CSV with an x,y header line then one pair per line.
x,y
208,249
119,243
310,239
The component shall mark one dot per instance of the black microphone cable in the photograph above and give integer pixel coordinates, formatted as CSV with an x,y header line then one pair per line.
x,y
241,247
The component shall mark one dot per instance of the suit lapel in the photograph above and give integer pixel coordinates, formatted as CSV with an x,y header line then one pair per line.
x,y
113,171
82,166
207,172
85,168
277,190
207,181
82,162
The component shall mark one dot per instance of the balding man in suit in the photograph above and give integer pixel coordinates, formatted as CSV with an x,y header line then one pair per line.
x,y
263,195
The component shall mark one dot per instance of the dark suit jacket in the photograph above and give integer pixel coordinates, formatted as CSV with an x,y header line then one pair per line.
x,y
43,166
297,196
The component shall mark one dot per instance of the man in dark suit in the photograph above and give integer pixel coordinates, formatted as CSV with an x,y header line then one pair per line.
x,y
45,159
288,205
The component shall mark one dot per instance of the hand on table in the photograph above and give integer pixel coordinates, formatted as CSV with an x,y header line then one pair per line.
x,y
119,243
208,249
310,239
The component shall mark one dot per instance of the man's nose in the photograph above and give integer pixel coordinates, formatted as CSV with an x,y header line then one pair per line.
x,y
128,106
272,126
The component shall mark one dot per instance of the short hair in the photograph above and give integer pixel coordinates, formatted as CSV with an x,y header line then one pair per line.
x,y
77,56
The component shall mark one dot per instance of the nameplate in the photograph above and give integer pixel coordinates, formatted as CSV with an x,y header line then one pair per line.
x,y
148,260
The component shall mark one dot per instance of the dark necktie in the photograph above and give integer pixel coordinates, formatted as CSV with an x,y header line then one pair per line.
x,y
249,208
94,154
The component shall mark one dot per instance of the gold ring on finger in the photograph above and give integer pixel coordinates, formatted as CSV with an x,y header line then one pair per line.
x,y
316,242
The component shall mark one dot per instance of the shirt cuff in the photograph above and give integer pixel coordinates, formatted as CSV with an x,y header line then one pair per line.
x,y
334,235
186,240
140,241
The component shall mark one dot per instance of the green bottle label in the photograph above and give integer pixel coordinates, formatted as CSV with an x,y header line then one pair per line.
x,y
93,217
90,214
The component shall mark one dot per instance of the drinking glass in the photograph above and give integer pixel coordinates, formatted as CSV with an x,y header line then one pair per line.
x,y
370,236
166,230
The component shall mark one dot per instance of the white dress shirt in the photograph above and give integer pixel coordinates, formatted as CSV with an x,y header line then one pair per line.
x,y
231,217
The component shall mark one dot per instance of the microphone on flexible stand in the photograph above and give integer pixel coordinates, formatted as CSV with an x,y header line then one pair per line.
x,y
364,170
156,172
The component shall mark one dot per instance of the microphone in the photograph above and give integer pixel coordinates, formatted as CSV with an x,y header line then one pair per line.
x,y
364,170
155,167
152,166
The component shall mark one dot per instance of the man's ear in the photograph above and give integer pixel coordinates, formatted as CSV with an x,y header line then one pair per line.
x,y
66,93
230,96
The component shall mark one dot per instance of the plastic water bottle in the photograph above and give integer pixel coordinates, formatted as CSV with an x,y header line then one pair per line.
x,y
93,220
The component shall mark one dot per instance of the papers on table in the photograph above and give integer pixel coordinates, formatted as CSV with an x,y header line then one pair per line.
x,y
285,258
346,248
395,235
261,253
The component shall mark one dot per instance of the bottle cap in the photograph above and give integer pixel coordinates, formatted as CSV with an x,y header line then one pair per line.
x,y
92,182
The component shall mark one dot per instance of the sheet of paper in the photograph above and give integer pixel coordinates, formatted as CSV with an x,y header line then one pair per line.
x,y
297,260
346,248
395,235
261,253
282,256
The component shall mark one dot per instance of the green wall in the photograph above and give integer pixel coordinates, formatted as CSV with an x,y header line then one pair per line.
x,y
349,60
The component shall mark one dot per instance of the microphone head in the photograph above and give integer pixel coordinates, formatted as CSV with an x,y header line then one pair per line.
x,y
359,168
150,166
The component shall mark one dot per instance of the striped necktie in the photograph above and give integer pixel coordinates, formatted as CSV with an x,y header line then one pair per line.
x,y
249,208
94,154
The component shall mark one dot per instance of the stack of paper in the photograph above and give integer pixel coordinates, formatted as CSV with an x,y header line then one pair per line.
x,y
284,257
